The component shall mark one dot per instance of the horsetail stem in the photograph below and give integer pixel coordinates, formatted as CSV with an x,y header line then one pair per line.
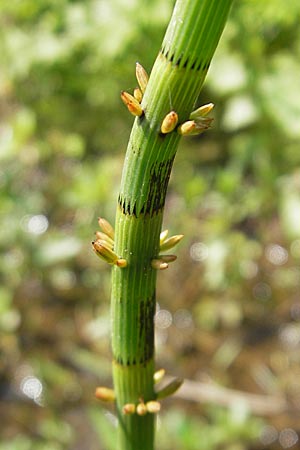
x,y
174,84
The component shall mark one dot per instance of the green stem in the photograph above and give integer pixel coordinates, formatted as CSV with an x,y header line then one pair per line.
x,y
174,84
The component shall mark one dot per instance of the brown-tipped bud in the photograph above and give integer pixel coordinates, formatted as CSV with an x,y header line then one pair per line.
x,y
129,408
158,375
163,236
153,407
171,242
202,111
141,76
167,258
105,394
103,250
106,227
169,122
104,237
121,263
159,264
141,409
132,104
170,388
137,93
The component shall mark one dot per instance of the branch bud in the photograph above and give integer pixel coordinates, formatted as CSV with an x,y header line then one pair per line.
x,y
137,93
106,227
169,122
171,242
104,251
141,409
153,406
105,394
121,263
132,104
129,408
163,236
159,264
202,111
170,388
104,237
141,76
158,375
195,127
167,258
187,128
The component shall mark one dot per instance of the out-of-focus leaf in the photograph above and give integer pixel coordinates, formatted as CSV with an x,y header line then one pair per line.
x,y
57,250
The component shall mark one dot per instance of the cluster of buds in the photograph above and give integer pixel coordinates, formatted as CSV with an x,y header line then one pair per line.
x,y
133,102
153,406
142,408
198,122
162,261
103,246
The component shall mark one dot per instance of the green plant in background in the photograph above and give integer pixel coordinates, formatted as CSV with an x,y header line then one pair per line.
x,y
136,249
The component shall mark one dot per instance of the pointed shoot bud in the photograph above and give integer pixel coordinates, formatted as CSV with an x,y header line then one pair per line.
x,y
121,263
171,242
167,258
106,227
129,408
169,122
105,394
153,407
141,409
202,111
137,93
163,236
170,388
159,264
141,76
158,375
132,104
103,250
104,237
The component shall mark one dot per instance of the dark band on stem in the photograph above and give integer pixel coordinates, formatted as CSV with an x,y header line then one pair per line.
x,y
144,334
146,329
158,183
185,62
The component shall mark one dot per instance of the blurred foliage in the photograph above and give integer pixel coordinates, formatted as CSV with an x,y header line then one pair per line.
x,y
229,310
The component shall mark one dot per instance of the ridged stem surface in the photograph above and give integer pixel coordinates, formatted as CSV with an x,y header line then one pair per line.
x,y
175,82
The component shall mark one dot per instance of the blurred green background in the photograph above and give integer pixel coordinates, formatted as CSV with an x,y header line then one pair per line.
x,y
229,309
